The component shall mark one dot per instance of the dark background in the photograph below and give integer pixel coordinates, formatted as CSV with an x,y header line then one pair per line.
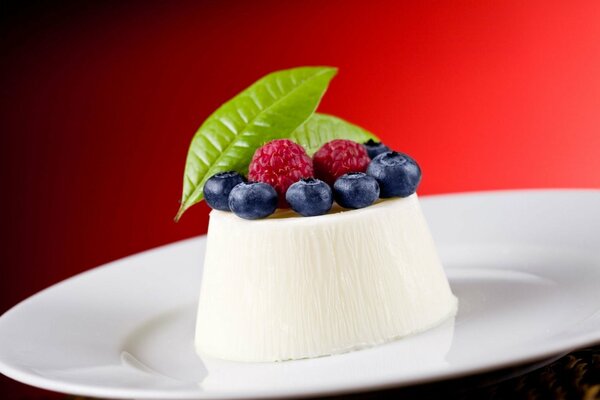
x,y
99,100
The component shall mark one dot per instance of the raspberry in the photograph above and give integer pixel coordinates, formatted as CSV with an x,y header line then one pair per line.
x,y
280,163
339,157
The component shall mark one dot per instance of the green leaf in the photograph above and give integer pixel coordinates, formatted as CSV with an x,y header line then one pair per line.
x,y
322,128
270,109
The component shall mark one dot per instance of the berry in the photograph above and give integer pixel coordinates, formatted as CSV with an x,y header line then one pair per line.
x,y
310,197
280,163
355,190
217,189
253,200
398,174
375,148
339,157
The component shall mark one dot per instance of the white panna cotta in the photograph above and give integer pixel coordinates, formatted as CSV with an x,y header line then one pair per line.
x,y
290,287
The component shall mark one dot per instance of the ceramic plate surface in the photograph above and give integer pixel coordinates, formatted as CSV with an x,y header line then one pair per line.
x,y
525,266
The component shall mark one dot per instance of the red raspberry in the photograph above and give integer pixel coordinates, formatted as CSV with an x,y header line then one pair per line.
x,y
280,163
339,157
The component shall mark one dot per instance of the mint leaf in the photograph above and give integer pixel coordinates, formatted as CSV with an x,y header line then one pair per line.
x,y
269,109
322,128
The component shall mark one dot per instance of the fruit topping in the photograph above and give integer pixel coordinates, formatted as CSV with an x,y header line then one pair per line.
x,y
310,197
339,157
355,190
280,163
253,200
375,148
217,189
398,174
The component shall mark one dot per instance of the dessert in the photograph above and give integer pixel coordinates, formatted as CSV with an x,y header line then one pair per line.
x,y
323,248
290,287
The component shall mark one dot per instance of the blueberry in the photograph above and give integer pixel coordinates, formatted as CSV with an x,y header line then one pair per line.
x,y
253,200
375,148
217,189
355,190
309,197
398,174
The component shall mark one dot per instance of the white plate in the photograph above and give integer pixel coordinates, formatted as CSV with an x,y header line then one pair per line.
x,y
525,266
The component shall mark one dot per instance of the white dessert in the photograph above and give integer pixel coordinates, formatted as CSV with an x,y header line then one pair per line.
x,y
290,287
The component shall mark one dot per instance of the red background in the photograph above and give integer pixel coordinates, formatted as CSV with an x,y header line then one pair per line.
x,y
99,103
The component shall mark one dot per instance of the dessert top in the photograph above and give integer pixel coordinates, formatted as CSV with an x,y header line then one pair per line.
x,y
336,212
